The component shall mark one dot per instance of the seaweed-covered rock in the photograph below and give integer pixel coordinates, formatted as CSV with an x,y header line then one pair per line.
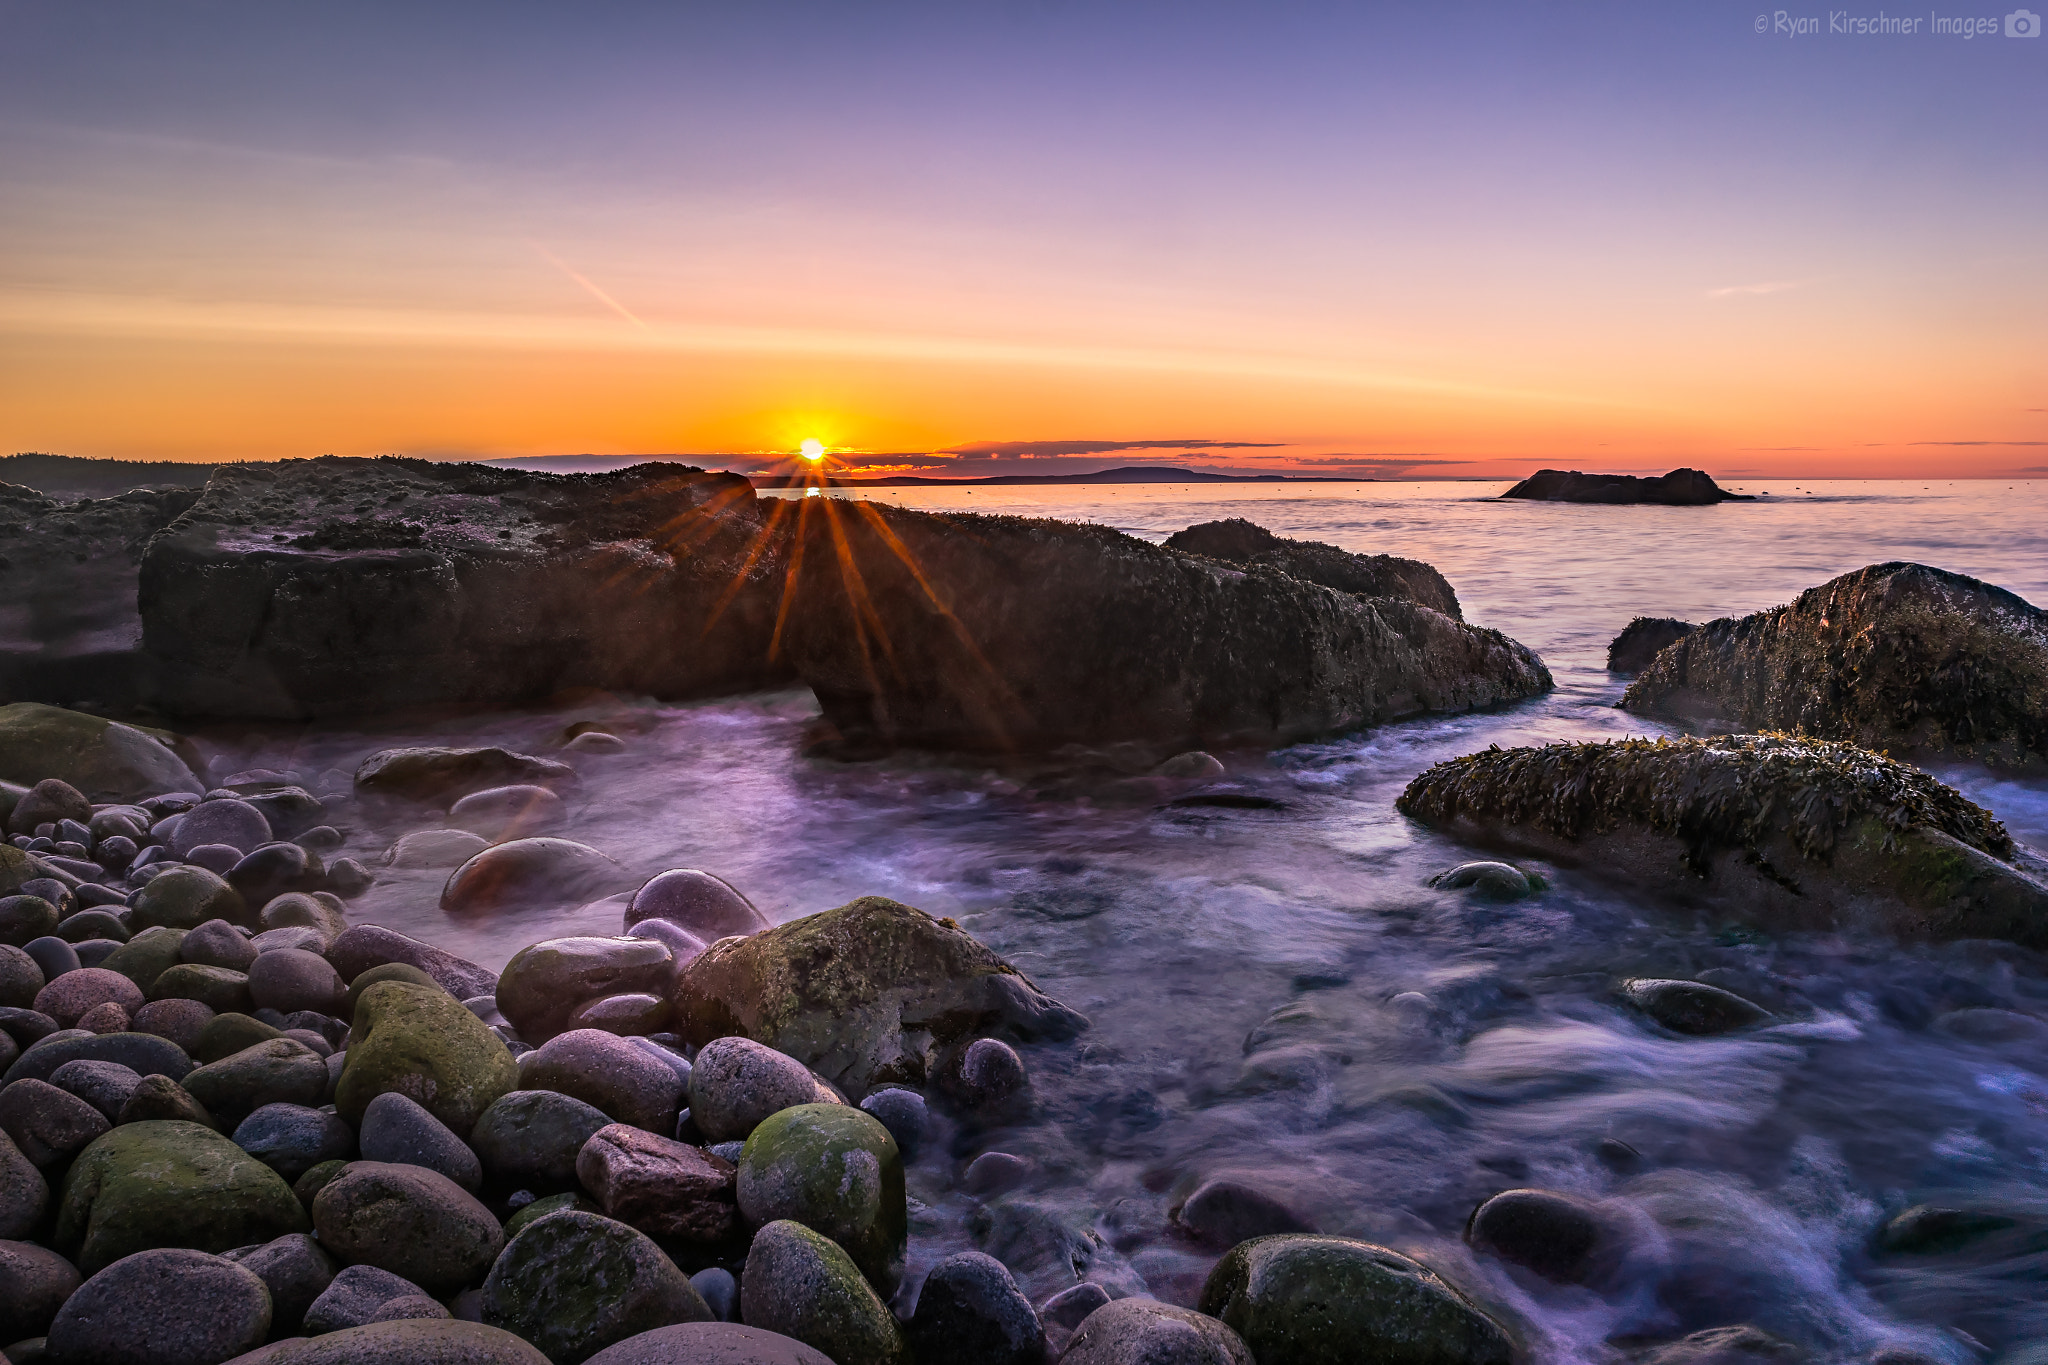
x,y
410,1221
836,1170
1783,833
1641,640
950,630
1247,544
185,898
575,1283
867,993
1894,656
103,759
802,1285
421,1043
456,583
169,1184
279,1071
1679,488
1307,1300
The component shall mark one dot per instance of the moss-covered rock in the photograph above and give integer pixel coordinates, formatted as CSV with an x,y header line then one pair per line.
x,y
17,867
169,1184
104,759
147,956
386,971
419,1042
1306,1300
185,898
802,1285
837,1171
870,992
226,1034
574,1283
1783,833
1895,656
221,989
279,1071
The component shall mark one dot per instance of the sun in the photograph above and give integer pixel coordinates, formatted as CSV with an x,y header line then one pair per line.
x,y
812,449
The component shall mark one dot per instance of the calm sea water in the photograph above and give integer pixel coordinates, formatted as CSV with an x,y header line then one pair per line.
x,y
1280,994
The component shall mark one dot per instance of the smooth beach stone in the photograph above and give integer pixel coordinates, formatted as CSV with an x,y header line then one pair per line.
x,y
410,1306
545,982
353,1297
1224,1210
47,802
289,811
421,774
535,1136
1493,880
595,742
25,1026
668,1056
161,1098
106,1086
48,1125
52,956
514,812
142,1053
25,917
735,1083
575,1283
543,1208
34,1283
219,859
163,1307
346,877
292,1139
708,906
168,1183
313,1040
185,898
302,936
986,1075
279,1071
219,989
1315,1300
291,980
836,1171
73,993
539,872
995,1173
147,956
804,1286
405,1342
626,1015
24,1193
658,1185
681,942
94,923
94,951
410,1221
389,971
298,910
609,1072
316,1180
970,1309
720,1291
217,943
709,1343
263,874
296,1272
396,1129
22,978
1143,1332
231,821
1553,1235
364,946
1693,1007
1071,1306
428,848
107,1018
418,1041
224,1035
321,839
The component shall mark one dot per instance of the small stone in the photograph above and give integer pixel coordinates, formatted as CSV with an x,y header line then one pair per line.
x,y
52,956
292,1139
1693,1007
107,1018
290,811
970,1309
316,1180
514,812
1223,1212
1192,766
604,1070
574,1283
994,1173
72,994
297,910
347,877
25,1026
170,1306
185,898
321,839
230,821
224,1035
24,1195
422,774
311,1039
530,872
219,859
803,1285
34,1283
1553,1235
735,1083
48,1125
139,1052
1142,1332
217,943
106,1086
48,801
364,946
396,1129
217,988
986,1076
296,1272
904,1114
426,848
410,1221
544,1208
292,979
263,874
276,1072
719,1290
660,1186
1494,881
161,1098
595,743
1070,1307
87,924
1933,1229
408,1307
353,1297
631,1015
534,1136
708,907
147,956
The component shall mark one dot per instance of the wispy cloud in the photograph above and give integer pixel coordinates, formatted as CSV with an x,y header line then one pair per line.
x,y
1978,443
1767,287
1778,447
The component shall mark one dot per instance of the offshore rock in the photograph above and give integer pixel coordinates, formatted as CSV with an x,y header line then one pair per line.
x,y
1785,834
1245,544
1641,640
870,992
1679,488
1895,656
949,630
329,586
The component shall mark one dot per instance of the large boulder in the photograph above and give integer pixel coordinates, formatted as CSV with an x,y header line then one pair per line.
x,y
421,1043
1306,1300
870,992
104,759
575,1283
1679,488
166,1183
1898,657
1785,834
949,630
316,587
1246,544
169,1306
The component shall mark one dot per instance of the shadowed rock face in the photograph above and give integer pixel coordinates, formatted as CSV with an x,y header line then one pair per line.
x,y
317,587
1783,833
1640,640
1893,656
1679,488
1245,544
983,633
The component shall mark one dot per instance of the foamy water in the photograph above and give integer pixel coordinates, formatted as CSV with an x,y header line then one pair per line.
x,y
1253,975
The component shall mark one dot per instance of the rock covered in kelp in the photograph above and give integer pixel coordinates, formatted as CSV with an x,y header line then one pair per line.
x,y
1894,656
315,587
1783,833
867,993
1245,543
1679,488
950,630
1641,640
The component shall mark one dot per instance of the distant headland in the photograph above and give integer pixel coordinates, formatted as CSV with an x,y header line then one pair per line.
x,y
1126,474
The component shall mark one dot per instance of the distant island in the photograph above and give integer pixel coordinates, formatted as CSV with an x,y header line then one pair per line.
x,y
1679,488
1127,474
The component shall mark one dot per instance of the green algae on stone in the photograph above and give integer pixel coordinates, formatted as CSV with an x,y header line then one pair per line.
x,y
185,898
226,1034
837,1171
166,1183
1300,1299
387,971
574,1201
419,1042
221,989
104,759
804,1286
279,1071
147,956
573,1283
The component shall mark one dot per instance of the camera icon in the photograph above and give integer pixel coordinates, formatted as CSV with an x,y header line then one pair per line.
x,y
2023,23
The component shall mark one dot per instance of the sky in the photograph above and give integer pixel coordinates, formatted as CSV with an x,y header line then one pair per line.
x,y
1428,240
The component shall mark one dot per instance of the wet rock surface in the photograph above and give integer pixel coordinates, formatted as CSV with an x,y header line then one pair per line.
x,y
1246,544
